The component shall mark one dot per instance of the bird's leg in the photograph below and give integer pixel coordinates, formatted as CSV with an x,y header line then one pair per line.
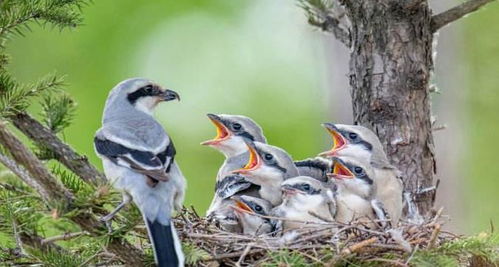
x,y
107,219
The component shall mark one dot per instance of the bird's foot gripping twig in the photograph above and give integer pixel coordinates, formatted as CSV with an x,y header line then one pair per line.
x,y
108,218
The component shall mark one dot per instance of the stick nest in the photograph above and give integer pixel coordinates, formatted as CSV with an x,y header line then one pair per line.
x,y
321,244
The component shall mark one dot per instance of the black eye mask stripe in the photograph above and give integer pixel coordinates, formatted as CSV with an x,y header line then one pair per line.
x,y
142,92
312,190
246,135
364,177
359,140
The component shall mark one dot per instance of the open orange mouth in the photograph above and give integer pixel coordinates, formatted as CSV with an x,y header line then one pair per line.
x,y
340,171
222,132
254,162
241,206
339,142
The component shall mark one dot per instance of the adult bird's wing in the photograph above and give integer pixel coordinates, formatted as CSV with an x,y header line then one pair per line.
x,y
145,162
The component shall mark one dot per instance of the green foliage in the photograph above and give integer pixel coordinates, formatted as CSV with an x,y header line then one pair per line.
x,y
58,111
15,97
56,258
15,14
193,255
286,258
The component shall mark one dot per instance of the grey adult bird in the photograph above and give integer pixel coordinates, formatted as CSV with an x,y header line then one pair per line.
x,y
305,199
355,191
268,166
232,133
139,160
250,211
362,143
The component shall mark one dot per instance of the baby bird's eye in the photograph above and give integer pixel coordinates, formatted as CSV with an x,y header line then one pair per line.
x,y
352,136
258,208
306,187
236,126
268,156
358,170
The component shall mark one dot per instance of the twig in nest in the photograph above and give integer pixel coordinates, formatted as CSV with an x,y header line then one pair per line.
x,y
351,249
245,252
434,236
399,239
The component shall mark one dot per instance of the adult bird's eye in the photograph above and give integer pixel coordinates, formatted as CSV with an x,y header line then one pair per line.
x,y
306,187
258,208
352,136
358,170
268,156
236,126
148,88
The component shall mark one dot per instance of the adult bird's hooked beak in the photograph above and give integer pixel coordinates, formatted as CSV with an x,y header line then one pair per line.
x,y
169,95
340,170
339,142
222,132
254,161
241,206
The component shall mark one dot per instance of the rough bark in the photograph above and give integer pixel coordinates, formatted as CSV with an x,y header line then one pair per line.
x,y
41,178
390,68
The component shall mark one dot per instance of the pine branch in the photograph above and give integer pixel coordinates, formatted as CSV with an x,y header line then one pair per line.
x,y
24,176
58,112
60,13
15,98
51,188
57,193
63,153
455,13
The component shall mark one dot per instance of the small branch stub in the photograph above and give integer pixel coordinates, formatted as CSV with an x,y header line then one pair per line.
x,y
440,20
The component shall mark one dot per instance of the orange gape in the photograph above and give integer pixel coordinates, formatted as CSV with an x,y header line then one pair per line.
x,y
253,159
253,162
222,133
242,206
338,140
341,171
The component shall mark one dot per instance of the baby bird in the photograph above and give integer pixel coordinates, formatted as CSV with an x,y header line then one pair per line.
x,y
268,166
305,199
355,190
361,143
248,209
232,132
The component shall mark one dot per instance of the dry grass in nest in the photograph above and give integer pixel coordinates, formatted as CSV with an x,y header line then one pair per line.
x,y
321,244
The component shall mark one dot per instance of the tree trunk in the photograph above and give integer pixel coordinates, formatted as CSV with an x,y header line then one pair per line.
x,y
390,68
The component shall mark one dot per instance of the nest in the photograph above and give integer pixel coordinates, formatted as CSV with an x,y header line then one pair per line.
x,y
327,243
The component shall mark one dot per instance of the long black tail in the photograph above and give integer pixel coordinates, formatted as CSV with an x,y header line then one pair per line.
x,y
166,246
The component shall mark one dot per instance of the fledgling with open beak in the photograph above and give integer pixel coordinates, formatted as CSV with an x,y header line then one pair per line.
x,y
268,166
361,143
305,199
139,160
355,190
249,211
232,132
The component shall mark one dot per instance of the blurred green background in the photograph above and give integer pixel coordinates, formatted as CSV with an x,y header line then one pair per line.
x,y
253,57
